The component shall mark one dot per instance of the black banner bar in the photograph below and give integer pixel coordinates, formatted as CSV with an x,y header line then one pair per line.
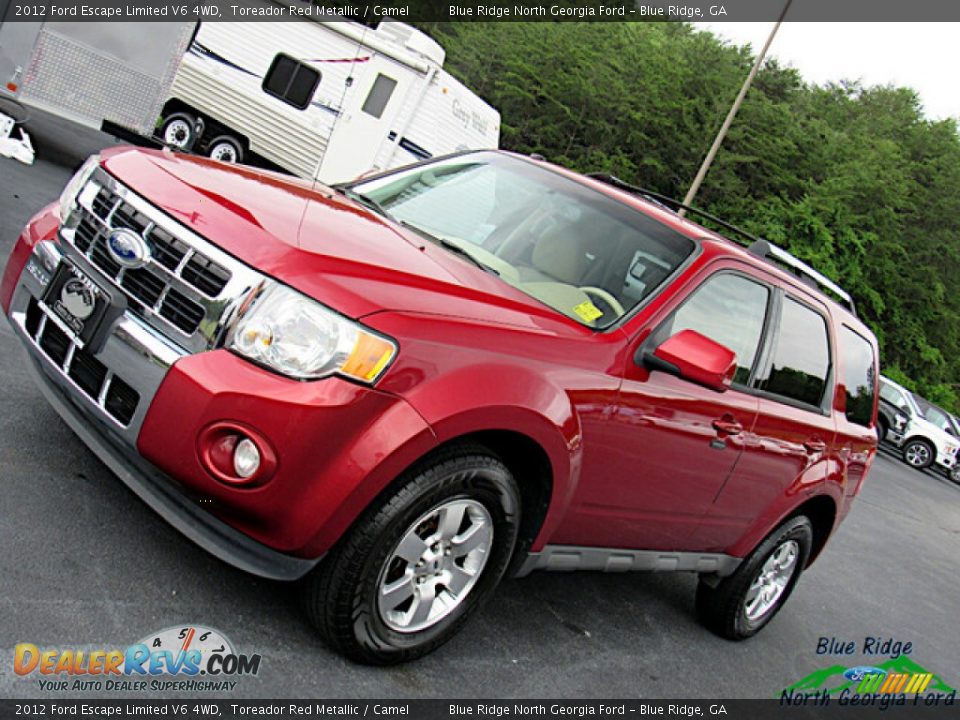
x,y
884,706
481,11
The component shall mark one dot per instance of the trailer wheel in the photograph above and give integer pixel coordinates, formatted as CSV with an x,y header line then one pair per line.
x,y
225,148
177,130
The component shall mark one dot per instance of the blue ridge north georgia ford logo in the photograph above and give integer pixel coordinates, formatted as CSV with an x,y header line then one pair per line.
x,y
128,248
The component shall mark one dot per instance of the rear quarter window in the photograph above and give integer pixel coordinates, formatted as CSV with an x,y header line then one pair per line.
x,y
859,376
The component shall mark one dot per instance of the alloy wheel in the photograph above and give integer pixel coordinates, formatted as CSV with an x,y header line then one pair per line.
x,y
917,454
435,565
769,584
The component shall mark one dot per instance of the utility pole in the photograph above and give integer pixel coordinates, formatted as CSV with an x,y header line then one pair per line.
x,y
708,160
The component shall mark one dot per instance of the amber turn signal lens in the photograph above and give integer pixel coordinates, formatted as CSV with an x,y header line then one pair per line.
x,y
368,358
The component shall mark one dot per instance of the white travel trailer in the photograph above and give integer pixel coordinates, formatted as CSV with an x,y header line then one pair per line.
x,y
319,99
331,100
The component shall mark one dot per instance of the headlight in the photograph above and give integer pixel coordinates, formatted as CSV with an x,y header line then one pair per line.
x,y
73,188
290,333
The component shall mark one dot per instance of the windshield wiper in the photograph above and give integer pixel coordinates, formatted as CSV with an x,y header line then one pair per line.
x,y
449,245
369,202
364,200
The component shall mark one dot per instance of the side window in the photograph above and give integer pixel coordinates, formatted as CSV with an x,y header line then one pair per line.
x,y
859,376
728,309
893,396
291,81
379,96
801,356
939,419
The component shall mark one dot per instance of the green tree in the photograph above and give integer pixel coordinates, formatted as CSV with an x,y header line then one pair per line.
x,y
853,179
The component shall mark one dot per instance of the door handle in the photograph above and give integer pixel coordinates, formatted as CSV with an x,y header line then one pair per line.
x,y
727,426
814,445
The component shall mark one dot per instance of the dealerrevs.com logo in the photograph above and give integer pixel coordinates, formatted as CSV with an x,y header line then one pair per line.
x,y
185,658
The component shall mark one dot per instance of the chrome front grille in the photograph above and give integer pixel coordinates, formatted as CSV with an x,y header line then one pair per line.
x,y
152,285
169,253
105,388
189,288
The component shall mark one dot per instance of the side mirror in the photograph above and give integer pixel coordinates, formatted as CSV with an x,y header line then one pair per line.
x,y
694,357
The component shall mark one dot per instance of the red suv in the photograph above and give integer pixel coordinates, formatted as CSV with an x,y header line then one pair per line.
x,y
404,388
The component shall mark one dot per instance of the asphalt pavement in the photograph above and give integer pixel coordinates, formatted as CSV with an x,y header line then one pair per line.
x,y
85,564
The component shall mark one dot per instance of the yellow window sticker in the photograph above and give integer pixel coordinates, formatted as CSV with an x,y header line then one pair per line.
x,y
588,311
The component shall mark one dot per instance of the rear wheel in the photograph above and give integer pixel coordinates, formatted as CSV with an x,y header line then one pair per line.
x,y
411,571
918,454
740,605
225,148
954,474
177,130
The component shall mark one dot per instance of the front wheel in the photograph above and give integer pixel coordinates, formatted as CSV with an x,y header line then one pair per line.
x,y
918,454
739,606
954,474
412,570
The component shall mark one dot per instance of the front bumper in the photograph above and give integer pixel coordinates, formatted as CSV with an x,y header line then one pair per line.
x,y
138,354
162,494
338,444
946,460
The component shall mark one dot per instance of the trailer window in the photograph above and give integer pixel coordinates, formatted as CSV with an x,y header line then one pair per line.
x,y
379,96
291,81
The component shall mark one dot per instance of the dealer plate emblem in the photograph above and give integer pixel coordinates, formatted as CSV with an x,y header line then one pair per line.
x,y
78,299
128,248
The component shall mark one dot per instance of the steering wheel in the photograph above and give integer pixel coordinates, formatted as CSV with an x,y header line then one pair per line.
x,y
606,297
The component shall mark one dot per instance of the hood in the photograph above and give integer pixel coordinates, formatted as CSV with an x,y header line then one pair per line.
x,y
934,432
321,243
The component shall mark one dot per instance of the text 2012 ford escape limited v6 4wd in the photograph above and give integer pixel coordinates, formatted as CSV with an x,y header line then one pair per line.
x,y
401,389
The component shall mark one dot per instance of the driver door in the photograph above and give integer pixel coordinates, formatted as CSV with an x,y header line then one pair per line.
x,y
672,444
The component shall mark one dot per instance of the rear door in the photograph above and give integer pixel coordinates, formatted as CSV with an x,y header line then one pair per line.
x,y
793,441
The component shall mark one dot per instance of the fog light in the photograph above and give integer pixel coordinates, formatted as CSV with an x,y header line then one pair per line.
x,y
246,458
236,454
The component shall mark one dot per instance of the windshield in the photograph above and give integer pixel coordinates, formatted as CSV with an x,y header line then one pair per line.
x,y
899,398
937,416
575,249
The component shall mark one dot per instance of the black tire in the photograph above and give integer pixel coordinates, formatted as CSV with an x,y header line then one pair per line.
x,y
221,146
919,448
341,595
181,125
881,429
721,606
954,474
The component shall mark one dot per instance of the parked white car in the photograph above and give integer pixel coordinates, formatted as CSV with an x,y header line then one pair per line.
x,y
922,442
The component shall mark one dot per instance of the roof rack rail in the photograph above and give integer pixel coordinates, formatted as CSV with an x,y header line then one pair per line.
x,y
766,249
756,245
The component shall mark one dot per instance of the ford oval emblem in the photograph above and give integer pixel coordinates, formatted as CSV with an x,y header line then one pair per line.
x,y
128,248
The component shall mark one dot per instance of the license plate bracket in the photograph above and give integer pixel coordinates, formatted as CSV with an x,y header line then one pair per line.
x,y
77,301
